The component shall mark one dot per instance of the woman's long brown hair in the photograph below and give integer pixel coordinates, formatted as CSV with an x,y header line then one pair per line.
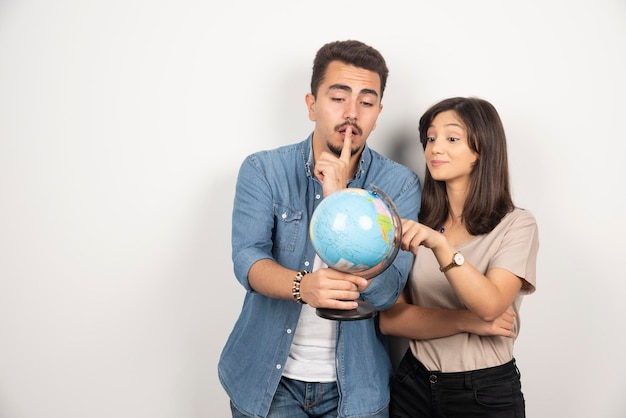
x,y
489,195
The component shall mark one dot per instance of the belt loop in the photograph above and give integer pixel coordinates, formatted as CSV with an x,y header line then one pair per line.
x,y
468,380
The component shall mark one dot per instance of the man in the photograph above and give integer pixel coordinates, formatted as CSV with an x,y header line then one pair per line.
x,y
281,359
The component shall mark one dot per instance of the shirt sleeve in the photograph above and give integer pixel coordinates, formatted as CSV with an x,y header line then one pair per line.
x,y
386,287
252,220
518,250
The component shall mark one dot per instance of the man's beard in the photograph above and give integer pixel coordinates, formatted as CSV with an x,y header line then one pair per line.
x,y
337,150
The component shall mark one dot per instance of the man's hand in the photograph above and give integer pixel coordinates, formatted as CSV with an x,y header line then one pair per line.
x,y
328,288
334,172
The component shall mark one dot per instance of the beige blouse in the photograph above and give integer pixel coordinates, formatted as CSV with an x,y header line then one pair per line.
x,y
512,245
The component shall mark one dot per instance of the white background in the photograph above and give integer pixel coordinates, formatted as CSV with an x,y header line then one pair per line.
x,y
122,127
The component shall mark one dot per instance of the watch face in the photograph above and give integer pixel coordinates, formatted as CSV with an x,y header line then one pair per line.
x,y
459,259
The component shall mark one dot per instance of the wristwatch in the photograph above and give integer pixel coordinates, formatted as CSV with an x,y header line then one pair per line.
x,y
457,260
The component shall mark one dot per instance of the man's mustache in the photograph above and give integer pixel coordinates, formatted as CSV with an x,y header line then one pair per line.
x,y
353,125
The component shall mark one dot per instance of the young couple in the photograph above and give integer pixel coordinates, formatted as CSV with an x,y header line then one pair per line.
x,y
454,291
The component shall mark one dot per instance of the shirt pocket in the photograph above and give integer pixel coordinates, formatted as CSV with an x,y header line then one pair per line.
x,y
288,222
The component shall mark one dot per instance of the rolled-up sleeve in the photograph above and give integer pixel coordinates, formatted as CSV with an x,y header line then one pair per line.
x,y
252,220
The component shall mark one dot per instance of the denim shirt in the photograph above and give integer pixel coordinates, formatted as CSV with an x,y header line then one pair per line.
x,y
275,196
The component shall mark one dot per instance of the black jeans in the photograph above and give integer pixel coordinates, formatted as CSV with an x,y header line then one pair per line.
x,y
495,392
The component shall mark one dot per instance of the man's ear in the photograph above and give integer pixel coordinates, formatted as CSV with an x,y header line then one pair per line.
x,y
309,99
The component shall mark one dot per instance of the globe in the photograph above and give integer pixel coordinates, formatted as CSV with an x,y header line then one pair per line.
x,y
356,231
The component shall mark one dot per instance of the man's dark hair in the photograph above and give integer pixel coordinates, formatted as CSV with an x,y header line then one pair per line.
x,y
349,52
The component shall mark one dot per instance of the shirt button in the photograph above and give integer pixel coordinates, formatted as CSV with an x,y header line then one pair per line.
x,y
278,366
317,196
288,331
284,215
306,263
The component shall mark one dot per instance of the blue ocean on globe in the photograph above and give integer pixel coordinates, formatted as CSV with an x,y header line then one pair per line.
x,y
352,230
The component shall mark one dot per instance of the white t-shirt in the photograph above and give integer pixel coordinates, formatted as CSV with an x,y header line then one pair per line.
x,y
312,353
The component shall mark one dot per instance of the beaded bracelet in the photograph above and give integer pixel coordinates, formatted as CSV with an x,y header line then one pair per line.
x,y
295,289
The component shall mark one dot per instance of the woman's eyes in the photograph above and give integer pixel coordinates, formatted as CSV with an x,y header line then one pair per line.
x,y
450,139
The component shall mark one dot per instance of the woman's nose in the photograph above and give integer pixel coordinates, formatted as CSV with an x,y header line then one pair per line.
x,y
435,147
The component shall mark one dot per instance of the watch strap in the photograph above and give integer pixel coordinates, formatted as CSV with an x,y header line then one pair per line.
x,y
451,265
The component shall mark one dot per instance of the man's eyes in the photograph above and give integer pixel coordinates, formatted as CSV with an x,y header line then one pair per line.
x,y
362,102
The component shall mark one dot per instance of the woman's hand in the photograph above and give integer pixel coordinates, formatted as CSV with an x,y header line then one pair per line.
x,y
415,234
501,326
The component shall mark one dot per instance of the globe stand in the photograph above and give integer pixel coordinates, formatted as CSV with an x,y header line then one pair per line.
x,y
366,310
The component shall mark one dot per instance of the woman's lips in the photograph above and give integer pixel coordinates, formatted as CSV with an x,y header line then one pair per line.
x,y
437,163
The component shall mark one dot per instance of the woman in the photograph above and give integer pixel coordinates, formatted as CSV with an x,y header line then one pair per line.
x,y
475,259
